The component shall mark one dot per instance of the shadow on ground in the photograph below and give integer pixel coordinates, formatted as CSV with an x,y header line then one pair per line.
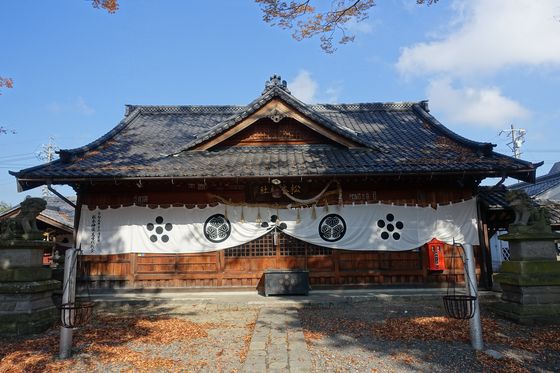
x,y
419,337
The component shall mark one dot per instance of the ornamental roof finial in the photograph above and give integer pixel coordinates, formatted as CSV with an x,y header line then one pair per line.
x,y
276,81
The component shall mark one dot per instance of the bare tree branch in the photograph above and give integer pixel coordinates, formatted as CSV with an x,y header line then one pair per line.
x,y
308,21
6,82
111,6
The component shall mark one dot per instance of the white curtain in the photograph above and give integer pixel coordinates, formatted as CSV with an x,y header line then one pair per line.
x,y
183,230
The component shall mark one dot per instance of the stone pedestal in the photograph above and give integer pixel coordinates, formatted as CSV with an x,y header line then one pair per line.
x,y
530,282
26,288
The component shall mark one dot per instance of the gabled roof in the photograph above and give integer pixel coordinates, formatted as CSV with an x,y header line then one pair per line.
x,y
543,184
276,89
381,138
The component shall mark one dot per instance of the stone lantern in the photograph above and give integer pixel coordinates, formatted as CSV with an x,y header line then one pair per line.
x,y
26,286
530,281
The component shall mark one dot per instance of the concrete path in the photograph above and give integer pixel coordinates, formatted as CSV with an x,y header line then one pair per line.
x,y
277,344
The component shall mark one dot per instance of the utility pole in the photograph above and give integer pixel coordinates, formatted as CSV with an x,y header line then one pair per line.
x,y
517,139
47,154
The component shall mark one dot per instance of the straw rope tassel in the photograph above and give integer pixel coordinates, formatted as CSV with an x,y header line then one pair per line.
x,y
313,213
242,220
298,216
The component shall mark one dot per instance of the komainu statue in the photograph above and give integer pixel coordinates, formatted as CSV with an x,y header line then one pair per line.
x,y
529,217
24,225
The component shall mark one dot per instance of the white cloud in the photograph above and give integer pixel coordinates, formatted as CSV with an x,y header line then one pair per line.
x,y
78,105
83,107
363,27
54,107
483,107
486,36
303,87
332,94
307,90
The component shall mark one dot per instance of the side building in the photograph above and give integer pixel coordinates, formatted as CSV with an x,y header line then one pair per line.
x,y
57,223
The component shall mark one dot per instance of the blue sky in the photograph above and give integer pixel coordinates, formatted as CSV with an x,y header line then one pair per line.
x,y
484,65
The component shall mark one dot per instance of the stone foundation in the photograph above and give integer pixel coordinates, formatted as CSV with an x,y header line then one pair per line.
x,y
530,287
532,250
26,288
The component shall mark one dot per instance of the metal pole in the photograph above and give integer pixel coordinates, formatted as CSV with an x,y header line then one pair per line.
x,y
68,296
470,282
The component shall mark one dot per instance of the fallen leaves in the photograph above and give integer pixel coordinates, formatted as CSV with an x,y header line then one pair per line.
x,y
247,341
428,328
404,358
504,365
127,342
316,327
529,342
313,335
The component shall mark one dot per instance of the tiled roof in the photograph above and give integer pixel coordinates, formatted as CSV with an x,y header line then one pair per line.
x,y
156,141
555,168
541,185
494,199
56,210
59,211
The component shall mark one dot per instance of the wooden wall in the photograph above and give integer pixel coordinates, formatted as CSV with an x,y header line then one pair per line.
x,y
243,266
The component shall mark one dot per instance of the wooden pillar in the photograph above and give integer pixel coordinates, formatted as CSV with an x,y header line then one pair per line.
x,y
132,271
424,262
220,261
336,261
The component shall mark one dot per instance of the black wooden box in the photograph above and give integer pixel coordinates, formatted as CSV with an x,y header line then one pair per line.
x,y
286,282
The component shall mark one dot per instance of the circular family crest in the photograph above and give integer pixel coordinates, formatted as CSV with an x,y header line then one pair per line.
x,y
390,228
157,231
332,228
217,228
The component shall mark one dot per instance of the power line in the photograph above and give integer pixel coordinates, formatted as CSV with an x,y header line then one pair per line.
x,y
16,155
542,151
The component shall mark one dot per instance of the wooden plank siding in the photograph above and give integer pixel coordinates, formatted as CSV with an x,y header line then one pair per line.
x,y
243,266
339,268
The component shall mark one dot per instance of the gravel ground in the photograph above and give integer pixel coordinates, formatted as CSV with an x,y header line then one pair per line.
x,y
179,340
362,337
406,337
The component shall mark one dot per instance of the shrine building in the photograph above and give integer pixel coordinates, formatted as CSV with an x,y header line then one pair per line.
x,y
213,196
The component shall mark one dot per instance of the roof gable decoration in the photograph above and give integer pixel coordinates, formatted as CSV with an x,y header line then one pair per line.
x,y
277,103
276,81
276,110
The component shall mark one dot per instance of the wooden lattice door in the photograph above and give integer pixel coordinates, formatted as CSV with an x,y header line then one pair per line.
x,y
274,250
